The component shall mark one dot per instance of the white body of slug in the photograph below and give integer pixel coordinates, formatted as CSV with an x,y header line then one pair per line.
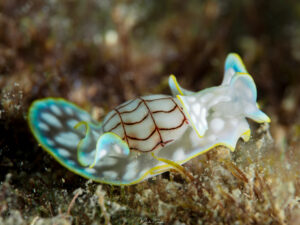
x,y
125,148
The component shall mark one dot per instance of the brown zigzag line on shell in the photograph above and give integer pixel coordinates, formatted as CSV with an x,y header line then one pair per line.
x,y
129,111
145,117
162,143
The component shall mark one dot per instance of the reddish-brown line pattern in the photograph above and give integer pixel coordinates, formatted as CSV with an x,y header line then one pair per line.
x,y
136,122
156,127
111,129
164,143
129,111
129,124
122,126
163,111
118,108
142,139
104,124
133,123
180,110
150,100
149,112
173,128
157,99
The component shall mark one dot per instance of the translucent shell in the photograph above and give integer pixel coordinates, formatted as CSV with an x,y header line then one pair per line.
x,y
147,123
139,138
